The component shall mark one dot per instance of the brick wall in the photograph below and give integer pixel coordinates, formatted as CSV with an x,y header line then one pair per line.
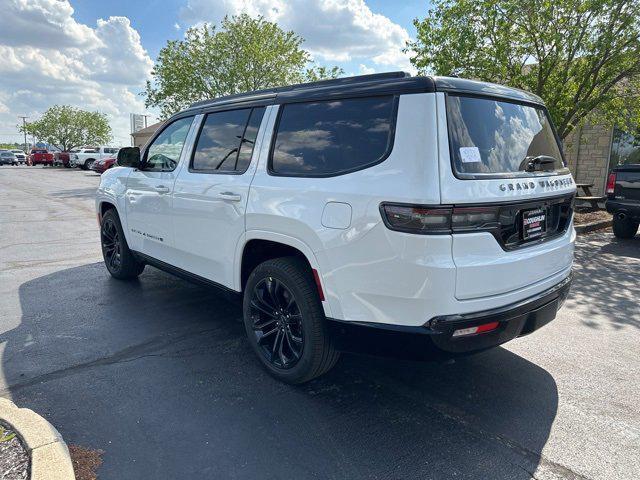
x,y
587,150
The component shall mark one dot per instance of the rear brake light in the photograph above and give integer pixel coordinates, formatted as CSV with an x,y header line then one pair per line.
x,y
407,218
418,219
611,183
484,328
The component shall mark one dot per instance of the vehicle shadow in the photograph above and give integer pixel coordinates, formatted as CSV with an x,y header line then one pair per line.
x,y
89,192
606,273
158,375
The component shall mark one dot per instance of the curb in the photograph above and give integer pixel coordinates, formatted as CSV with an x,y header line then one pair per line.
x,y
49,454
590,227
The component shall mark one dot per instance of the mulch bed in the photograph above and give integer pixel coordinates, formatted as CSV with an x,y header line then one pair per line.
x,y
85,462
14,459
581,218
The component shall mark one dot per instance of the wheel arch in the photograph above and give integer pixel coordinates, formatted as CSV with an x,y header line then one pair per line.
x,y
259,246
104,206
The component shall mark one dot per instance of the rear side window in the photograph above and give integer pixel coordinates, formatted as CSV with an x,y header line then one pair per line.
x,y
225,143
333,137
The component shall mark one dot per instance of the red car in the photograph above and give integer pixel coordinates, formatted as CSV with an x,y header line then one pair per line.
x,y
40,156
101,166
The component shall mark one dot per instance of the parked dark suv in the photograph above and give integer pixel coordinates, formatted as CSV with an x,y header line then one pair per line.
x,y
623,199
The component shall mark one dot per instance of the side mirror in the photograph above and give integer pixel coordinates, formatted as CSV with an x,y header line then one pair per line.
x,y
129,157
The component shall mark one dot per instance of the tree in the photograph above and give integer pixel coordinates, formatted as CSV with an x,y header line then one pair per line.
x,y
244,54
581,56
66,127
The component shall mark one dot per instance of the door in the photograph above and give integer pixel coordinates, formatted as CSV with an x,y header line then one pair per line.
x,y
210,195
148,196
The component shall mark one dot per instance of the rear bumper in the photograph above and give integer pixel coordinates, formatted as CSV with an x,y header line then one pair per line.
x,y
435,338
631,209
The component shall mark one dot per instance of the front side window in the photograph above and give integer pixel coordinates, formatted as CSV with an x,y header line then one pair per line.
x,y
332,137
164,153
225,143
490,136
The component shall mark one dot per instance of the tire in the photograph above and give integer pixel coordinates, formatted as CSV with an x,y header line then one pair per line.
x,y
624,228
271,286
118,259
87,164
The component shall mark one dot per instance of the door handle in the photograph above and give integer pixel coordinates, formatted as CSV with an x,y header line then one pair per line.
x,y
162,189
232,197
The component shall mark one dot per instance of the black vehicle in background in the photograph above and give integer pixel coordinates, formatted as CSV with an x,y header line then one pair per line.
x,y
623,199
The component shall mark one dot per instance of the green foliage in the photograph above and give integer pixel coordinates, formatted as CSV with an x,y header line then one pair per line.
x,y
67,127
5,436
244,54
581,56
10,146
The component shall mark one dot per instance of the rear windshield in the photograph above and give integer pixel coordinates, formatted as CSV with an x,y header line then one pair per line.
x,y
498,137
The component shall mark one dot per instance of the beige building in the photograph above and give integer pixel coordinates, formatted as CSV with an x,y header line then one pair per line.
x,y
142,136
592,150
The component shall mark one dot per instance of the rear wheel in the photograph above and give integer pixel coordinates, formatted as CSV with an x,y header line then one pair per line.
x,y
624,227
118,259
285,321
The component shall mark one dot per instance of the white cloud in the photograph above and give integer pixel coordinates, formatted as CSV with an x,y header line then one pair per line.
x,y
364,70
334,30
49,58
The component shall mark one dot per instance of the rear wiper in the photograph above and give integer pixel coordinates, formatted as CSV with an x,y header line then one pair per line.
x,y
530,164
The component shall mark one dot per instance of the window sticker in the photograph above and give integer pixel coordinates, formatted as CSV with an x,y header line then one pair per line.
x,y
470,155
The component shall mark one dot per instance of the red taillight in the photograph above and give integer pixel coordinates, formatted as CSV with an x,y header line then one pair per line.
x,y
611,183
484,328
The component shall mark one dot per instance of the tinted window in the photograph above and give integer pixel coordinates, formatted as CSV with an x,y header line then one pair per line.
x,y
219,140
249,139
332,137
225,143
490,136
164,153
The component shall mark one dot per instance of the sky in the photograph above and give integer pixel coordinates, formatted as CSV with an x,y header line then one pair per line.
x,y
97,54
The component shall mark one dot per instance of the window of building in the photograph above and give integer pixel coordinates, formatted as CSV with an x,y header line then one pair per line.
x,y
625,148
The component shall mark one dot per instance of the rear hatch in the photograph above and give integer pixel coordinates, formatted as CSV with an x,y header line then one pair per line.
x,y
627,187
505,174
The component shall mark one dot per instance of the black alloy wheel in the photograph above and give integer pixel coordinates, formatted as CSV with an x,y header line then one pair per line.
x,y
285,322
277,323
111,245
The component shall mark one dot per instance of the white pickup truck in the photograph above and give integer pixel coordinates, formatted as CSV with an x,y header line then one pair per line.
x,y
84,157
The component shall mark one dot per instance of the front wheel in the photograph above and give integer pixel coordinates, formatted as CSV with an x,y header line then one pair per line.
x,y
624,227
118,259
285,321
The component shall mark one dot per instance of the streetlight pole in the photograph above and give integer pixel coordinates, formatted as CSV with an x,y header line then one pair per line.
x,y
24,130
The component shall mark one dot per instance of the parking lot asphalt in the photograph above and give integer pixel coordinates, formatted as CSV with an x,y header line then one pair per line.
x,y
158,375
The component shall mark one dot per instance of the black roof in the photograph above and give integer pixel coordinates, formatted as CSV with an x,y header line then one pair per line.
x,y
365,85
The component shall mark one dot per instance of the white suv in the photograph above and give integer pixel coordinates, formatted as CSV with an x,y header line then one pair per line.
x,y
425,216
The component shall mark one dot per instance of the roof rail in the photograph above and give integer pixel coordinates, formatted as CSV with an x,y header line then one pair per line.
x,y
270,92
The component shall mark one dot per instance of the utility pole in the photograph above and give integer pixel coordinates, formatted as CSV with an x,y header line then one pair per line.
x,y
24,125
